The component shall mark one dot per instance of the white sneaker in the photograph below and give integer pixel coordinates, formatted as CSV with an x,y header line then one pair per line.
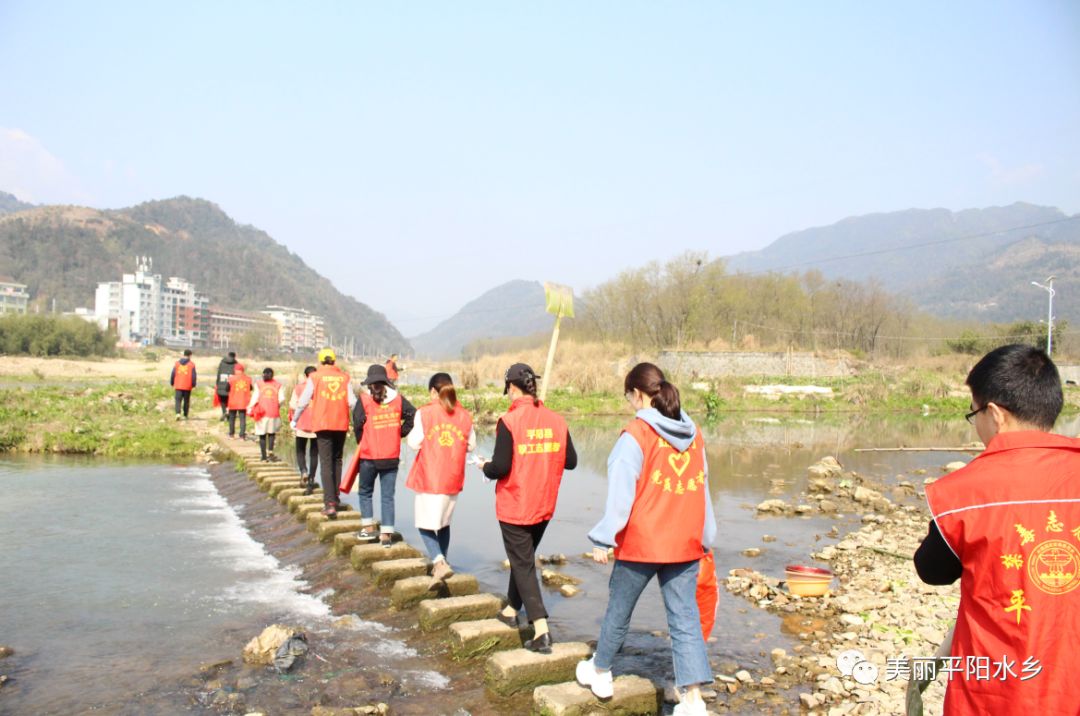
x,y
599,681
688,709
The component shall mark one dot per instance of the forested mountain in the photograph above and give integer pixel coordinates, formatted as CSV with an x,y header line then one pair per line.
x,y
62,252
513,309
975,264
9,203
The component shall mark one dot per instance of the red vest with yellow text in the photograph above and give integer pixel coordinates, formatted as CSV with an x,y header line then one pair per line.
x,y
391,370
304,423
1012,517
381,439
239,391
668,515
329,405
269,401
528,494
439,468
182,375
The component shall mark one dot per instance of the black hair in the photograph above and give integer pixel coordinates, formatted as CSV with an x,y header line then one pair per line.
x,y
309,370
268,373
187,352
650,380
1023,380
378,391
443,384
527,385
232,354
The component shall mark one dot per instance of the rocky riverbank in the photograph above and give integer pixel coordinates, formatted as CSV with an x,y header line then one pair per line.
x,y
878,605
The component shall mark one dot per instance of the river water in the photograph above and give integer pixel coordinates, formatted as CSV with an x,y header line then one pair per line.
x,y
118,580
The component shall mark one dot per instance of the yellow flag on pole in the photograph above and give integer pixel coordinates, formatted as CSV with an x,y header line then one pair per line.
x,y
559,299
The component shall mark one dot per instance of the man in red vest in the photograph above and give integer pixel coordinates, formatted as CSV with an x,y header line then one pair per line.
x,y
183,382
1008,527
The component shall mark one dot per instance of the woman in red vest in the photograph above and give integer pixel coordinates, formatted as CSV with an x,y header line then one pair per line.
x,y
328,396
442,434
381,419
659,520
307,449
239,397
265,406
532,448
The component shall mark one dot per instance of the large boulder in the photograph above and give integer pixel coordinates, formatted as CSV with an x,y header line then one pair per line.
x,y
261,649
825,467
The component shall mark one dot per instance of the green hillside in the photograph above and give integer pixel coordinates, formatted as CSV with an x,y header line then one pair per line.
x,y
62,252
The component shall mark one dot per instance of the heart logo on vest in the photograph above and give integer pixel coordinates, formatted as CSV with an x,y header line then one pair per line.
x,y
674,459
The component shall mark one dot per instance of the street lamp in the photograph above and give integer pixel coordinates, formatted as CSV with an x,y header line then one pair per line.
x,y
1049,288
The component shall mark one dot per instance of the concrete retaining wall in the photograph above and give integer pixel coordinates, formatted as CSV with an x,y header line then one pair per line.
x,y
718,365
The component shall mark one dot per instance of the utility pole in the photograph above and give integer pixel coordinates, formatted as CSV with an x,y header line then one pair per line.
x,y
1049,288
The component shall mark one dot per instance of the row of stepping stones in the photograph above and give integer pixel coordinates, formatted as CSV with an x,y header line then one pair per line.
x,y
456,607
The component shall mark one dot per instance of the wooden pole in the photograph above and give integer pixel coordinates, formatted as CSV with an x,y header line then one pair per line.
x,y
550,358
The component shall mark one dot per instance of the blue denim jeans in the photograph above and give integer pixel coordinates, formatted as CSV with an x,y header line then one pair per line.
x,y
678,585
436,542
387,481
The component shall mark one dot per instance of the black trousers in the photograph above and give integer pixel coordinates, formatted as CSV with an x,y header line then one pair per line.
x,y
520,542
243,423
331,452
307,452
224,400
183,400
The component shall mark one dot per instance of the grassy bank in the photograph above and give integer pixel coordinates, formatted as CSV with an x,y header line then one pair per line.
x,y
115,419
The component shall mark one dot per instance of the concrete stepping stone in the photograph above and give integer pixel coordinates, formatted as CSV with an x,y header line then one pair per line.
x,y
363,556
634,695
317,518
411,591
295,502
344,543
278,487
510,672
438,613
391,570
266,483
329,529
481,637
284,496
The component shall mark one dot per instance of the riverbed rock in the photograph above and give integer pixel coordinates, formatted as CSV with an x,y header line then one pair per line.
x,y
954,466
6,651
556,579
825,467
262,648
774,506
751,552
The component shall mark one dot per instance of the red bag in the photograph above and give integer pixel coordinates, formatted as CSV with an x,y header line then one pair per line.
x,y
257,412
217,400
350,473
708,594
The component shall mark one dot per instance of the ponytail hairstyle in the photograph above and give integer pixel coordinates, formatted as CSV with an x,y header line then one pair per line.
x,y
378,392
527,384
650,380
443,384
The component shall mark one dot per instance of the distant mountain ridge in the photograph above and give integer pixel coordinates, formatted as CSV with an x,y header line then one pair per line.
x,y
972,264
62,252
10,203
513,309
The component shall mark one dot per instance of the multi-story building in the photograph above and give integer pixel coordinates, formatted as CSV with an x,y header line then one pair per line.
x,y
229,325
298,329
13,296
145,309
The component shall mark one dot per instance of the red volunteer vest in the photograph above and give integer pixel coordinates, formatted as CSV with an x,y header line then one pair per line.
x,y
183,375
1012,516
668,515
239,391
268,398
439,468
528,494
391,371
382,429
329,405
304,423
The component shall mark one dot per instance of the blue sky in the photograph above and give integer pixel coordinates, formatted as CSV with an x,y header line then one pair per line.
x,y
420,153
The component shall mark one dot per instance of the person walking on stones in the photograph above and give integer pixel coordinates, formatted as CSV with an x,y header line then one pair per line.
x,y
532,449
442,435
307,449
392,370
659,520
265,407
1007,527
183,381
238,400
381,418
329,396
226,368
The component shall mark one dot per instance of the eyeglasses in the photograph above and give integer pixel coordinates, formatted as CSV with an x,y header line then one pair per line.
x,y
970,417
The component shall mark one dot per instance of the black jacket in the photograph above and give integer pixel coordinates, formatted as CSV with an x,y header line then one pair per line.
x,y
225,368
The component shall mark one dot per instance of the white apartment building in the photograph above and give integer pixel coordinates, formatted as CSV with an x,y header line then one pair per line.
x,y
145,309
298,329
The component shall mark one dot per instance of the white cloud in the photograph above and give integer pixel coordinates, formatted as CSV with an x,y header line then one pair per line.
x,y
33,173
1008,176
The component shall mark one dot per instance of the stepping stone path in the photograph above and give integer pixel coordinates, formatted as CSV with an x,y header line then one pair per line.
x,y
456,606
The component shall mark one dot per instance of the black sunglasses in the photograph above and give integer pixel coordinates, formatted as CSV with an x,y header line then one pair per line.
x,y
970,417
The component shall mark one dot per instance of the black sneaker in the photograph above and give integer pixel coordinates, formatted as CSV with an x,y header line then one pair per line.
x,y
368,534
508,621
540,644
